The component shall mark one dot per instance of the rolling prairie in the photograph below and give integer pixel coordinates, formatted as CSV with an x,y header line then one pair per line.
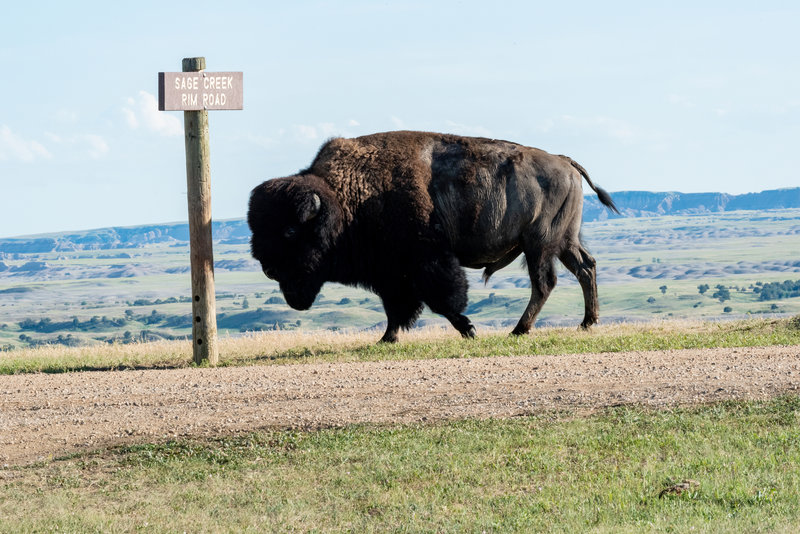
x,y
648,268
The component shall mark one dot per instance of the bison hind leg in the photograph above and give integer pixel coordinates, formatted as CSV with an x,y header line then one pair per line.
x,y
578,261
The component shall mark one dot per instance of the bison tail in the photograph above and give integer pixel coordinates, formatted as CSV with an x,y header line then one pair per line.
x,y
605,198
487,273
602,194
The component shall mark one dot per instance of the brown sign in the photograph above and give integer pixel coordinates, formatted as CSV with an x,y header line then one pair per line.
x,y
195,91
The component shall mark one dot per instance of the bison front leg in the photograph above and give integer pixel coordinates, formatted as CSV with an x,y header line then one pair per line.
x,y
543,280
443,285
402,309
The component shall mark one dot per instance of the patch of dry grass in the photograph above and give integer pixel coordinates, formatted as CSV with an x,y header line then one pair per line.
x,y
251,347
271,347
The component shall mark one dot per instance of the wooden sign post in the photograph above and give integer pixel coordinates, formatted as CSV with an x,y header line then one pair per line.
x,y
195,92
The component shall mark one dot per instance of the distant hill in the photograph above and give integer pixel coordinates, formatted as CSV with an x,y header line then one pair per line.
x,y
630,204
231,231
648,204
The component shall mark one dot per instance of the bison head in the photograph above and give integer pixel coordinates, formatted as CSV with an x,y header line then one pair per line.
x,y
294,222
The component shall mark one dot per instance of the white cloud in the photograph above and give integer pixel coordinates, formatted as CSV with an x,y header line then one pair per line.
x,y
67,115
397,122
92,145
328,129
304,132
607,126
130,115
317,132
680,100
12,146
353,122
465,129
143,111
546,125
97,146
687,103
260,140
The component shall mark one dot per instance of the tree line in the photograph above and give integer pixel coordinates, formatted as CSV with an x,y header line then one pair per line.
x,y
778,290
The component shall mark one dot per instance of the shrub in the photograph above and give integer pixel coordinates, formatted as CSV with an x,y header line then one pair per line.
x,y
722,293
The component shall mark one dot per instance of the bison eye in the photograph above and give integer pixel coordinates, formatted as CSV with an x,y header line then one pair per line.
x,y
290,232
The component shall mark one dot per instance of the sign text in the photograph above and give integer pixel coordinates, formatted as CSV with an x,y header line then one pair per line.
x,y
194,91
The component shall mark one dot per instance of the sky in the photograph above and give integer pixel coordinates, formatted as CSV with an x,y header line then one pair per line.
x,y
689,96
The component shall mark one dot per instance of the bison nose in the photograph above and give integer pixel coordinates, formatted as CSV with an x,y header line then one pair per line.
x,y
270,274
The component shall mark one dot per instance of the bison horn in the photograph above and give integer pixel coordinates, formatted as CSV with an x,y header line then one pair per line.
x,y
313,210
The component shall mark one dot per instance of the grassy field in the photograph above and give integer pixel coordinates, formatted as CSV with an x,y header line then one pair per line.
x,y
732,467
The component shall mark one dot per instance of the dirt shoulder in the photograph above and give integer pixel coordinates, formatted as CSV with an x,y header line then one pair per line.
x,y
44,416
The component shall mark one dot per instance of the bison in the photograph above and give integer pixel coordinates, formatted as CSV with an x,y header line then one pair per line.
x,y
402,213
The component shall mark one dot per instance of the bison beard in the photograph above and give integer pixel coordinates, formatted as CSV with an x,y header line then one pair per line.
x,y
401,214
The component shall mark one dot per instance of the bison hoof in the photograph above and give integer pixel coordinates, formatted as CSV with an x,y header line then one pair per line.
x,y
469,333
387,338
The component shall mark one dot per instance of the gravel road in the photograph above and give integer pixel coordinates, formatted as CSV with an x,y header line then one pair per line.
x,y
48,415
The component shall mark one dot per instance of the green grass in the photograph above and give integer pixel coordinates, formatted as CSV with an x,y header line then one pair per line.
x,y
553,473
267,348
614,338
